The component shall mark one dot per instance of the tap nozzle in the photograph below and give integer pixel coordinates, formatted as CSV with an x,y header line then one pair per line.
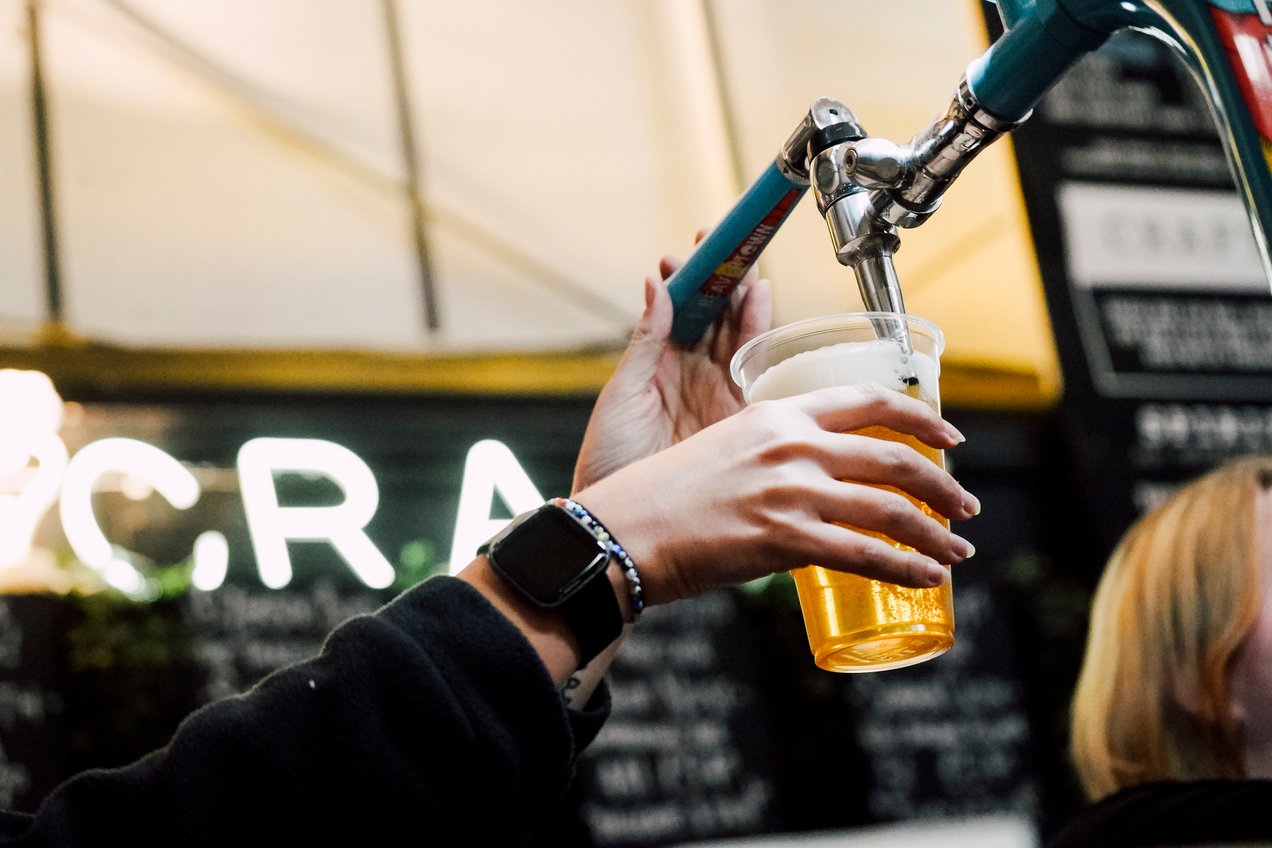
x,y
863,239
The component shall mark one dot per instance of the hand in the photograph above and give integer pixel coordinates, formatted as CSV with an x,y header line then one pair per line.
x,y
662,391
764,491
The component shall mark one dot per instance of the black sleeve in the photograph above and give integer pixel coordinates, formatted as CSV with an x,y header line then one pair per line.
x,y
433,717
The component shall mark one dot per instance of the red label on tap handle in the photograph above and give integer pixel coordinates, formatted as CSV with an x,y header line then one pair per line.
x,y
726,276
1247,39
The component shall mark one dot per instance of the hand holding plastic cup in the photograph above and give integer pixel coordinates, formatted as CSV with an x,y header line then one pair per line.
x,y
856,624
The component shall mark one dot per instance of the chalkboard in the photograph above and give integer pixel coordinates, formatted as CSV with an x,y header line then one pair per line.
x,y
685,754
723,727
950,738
32,672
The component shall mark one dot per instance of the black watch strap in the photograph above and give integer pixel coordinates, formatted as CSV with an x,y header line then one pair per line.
x,y
594,615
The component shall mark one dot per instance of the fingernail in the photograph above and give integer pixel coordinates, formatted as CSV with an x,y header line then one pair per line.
x,y
935,573
649,293
963,548
954,433
971,504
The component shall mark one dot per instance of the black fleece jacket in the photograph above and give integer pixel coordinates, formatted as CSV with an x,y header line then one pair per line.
x,y
430,722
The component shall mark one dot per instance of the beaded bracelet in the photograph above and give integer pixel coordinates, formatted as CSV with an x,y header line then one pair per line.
x,y
616,550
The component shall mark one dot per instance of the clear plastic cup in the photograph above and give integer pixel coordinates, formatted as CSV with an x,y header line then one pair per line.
x,y
856,624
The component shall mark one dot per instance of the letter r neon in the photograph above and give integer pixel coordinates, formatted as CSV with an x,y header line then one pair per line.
x,y
271,525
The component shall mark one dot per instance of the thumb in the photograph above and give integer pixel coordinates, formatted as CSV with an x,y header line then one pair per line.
x,y
650,336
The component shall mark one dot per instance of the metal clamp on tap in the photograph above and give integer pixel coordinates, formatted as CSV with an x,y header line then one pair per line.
x,y
909,182
866,188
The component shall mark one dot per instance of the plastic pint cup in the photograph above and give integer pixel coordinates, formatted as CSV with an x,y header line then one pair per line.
x,y
855,624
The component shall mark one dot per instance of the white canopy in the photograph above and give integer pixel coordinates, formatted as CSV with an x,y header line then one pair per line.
x,y
231,173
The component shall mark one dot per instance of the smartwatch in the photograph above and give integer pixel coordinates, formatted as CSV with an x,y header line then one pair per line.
x,y
556,563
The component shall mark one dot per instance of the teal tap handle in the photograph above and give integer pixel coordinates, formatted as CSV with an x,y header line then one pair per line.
x,y
701,287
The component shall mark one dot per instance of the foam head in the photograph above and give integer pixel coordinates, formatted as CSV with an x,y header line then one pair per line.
x,y
849,363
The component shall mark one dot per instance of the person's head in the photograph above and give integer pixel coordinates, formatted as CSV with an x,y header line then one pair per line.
x,y
1164,689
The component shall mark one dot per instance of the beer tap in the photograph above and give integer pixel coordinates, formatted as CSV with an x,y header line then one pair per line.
x,y
868,189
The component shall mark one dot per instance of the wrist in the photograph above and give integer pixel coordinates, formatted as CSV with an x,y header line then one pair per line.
x,y
644,535
560,561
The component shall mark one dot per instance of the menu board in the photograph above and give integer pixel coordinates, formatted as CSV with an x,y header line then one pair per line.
x,y
723,726
949,738
1160,306
685,754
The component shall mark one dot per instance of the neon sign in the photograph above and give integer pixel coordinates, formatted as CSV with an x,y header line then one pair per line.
x,y
31,417
35,473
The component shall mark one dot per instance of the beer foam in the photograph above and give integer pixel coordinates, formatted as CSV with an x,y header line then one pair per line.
x,y
847,364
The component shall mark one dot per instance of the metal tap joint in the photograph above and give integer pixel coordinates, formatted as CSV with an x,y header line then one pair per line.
x,y
866,188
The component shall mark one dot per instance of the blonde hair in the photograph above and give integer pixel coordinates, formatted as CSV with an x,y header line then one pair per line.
x,y
1177,598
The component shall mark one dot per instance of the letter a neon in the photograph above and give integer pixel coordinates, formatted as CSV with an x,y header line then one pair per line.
x,y
489,468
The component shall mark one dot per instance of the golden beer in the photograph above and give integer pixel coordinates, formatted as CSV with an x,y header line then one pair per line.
x,y
855,624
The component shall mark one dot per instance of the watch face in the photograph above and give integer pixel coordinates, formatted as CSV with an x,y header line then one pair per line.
x,y
548,556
